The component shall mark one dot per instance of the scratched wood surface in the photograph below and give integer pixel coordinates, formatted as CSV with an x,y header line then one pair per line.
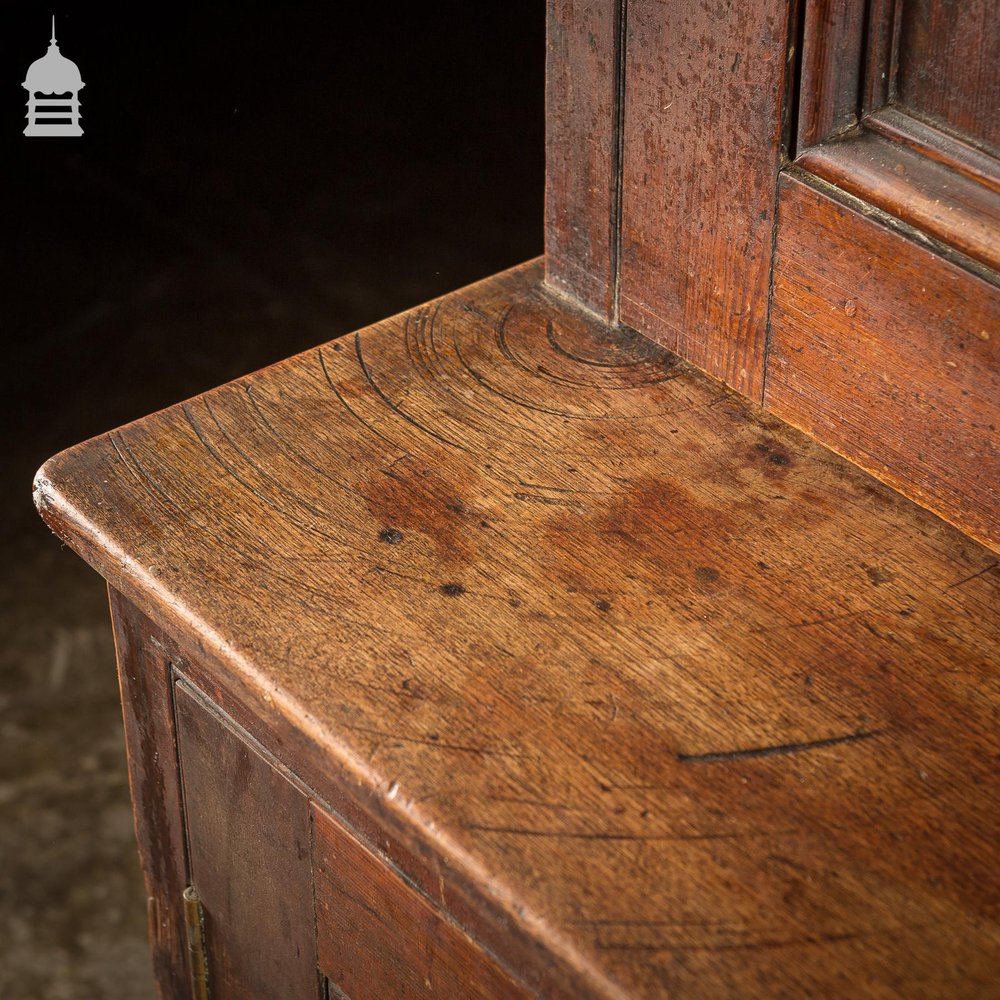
x,y
699,705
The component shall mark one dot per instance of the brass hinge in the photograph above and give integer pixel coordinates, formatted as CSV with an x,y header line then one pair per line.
x,y
194,921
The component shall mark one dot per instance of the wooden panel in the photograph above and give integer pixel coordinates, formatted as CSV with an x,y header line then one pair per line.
x,y
921,191
704,85
379,939
581,150
144,672
248,840
949,65
890,354
831,69
666,687
878,75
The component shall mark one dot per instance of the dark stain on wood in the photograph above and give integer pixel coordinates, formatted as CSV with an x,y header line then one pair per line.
x,y
659,806
781,748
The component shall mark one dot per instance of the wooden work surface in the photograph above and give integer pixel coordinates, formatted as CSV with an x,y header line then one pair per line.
x,y
699,705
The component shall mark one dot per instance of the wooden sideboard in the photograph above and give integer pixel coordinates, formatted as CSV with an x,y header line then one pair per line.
x,y
520,646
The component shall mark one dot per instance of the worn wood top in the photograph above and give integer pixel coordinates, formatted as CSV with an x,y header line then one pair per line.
x,y
697,703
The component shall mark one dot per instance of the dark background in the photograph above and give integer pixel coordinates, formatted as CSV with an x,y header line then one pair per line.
x,y
252,181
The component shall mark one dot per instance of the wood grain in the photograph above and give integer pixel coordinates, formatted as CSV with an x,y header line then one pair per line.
x,y
581,109
248,832
948,58
889,353
379,939
366,811
960,156
833,36
919,190
703,106
652,678
881,46
145,673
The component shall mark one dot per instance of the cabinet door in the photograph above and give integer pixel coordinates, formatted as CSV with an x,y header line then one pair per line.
x,y
885,323
379,938
295,906
248,829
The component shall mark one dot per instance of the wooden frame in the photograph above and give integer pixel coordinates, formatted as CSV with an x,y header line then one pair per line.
x,y
583,110
702,149
853,132
690,188
885,291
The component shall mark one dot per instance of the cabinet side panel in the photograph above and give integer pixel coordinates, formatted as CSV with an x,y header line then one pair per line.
x,y
581,81
144,673
704,87
248,837
888,353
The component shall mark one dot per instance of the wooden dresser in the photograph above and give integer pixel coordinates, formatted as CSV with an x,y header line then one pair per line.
x,y
497,650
